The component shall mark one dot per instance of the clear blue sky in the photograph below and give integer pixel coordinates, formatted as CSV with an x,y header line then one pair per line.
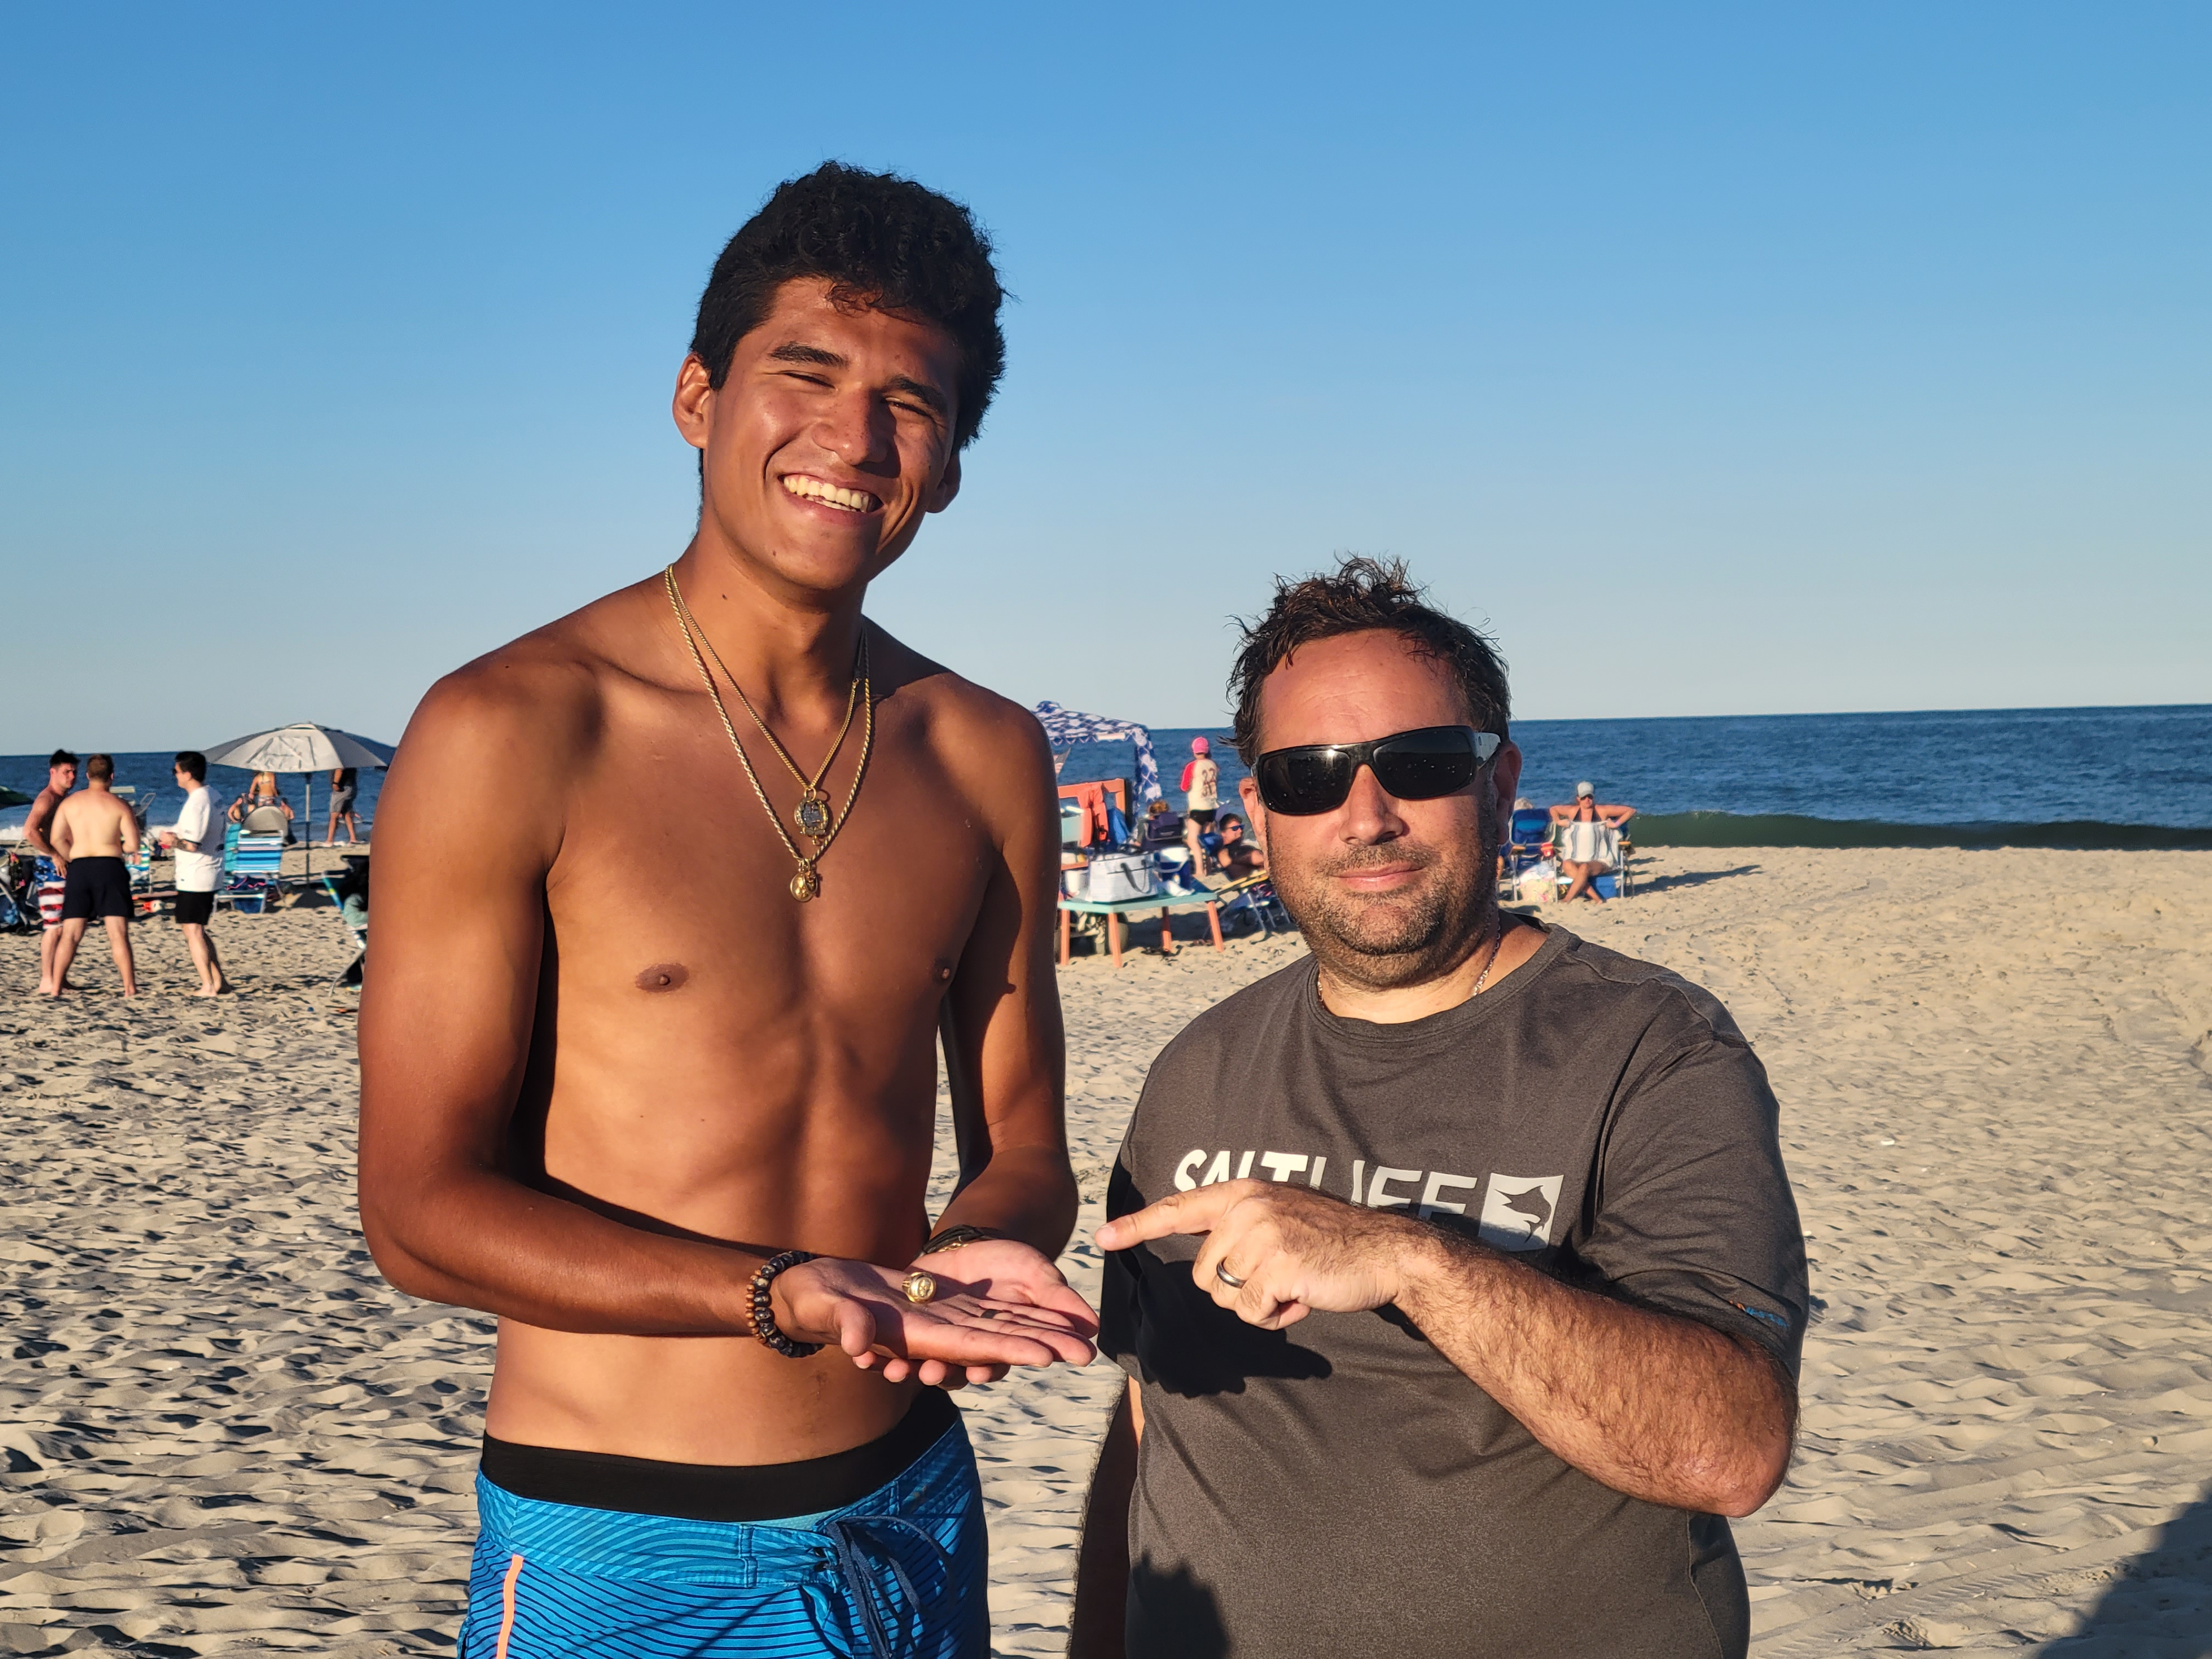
x,y
1724,359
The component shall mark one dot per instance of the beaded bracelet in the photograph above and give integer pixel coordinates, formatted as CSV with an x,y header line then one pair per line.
x,y
763,1309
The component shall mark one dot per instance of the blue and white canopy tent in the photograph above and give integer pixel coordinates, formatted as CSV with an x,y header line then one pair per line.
x,y
1064,728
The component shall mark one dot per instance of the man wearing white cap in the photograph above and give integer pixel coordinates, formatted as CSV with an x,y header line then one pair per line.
x,y
1588,836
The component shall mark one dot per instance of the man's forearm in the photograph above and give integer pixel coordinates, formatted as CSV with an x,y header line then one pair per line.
x,y
486,1241
1660,1407
1025,1193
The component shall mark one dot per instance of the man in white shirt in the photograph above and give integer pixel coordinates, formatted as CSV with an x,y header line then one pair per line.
x,y
199,868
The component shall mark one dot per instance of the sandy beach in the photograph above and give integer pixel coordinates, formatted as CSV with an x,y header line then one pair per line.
x,y
225,1433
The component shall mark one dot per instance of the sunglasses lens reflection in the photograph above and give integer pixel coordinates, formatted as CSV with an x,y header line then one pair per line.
x,y
1417,774
1411,765
1303,781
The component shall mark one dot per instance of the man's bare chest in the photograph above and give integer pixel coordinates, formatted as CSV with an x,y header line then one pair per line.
x,y
663,885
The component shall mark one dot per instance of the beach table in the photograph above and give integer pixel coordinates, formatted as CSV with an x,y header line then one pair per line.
x,y
1115,910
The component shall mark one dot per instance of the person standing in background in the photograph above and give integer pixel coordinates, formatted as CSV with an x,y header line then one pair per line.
x,y
1202,784
53,872
92,834
199,869
345,786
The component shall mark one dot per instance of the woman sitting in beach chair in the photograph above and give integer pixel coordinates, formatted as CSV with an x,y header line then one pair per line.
x,y
262,793
1587,836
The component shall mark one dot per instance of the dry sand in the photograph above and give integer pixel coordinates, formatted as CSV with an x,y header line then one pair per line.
x,y
225,1433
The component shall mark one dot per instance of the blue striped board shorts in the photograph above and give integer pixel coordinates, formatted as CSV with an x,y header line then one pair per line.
x,y
901,1574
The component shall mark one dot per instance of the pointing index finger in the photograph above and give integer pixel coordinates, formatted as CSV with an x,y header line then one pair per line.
x,y
1198,1211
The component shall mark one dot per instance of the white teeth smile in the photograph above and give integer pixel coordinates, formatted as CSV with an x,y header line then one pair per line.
x,y
813,489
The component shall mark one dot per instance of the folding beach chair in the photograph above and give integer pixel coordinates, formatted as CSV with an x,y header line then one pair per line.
x,y
337,888
1255,896
1526,839
253,866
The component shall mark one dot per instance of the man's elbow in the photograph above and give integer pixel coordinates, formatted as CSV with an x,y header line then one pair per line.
x,y
1754,1474
384,1228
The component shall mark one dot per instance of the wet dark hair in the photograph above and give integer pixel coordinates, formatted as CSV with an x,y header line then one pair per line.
x,y
101,767
192,764
60,757
881,241
1363,595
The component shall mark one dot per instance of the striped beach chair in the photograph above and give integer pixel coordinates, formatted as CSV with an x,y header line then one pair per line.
x,y
253,868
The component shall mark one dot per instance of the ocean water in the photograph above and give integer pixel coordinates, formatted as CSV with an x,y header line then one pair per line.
x,y
2063,777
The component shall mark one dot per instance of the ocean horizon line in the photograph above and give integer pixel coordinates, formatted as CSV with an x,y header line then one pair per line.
x,y
1223,723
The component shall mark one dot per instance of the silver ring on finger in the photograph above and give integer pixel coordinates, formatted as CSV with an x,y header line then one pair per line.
x,y
1221,1272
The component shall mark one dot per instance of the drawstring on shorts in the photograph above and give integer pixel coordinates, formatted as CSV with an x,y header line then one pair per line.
x,y
846,1536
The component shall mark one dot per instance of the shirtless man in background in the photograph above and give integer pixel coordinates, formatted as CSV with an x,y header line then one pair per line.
x,y
92,833
51,872
658,1041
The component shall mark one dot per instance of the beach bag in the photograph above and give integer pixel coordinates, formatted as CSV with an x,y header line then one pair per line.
x,y
1119,876
1537,882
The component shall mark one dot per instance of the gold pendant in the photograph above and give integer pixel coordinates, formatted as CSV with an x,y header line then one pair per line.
x,y
806,884
813,817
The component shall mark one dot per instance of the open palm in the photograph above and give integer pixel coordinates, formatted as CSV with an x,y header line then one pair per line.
x,y
1015,1313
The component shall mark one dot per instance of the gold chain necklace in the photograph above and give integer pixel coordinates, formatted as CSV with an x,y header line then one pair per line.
x,y
1483,979
813,816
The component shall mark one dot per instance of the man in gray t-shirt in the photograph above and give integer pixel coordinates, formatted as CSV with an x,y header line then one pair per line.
x,y
1455,1269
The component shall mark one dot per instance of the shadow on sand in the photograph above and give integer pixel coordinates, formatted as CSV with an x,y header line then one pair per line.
x,y
1692,878
2160,1603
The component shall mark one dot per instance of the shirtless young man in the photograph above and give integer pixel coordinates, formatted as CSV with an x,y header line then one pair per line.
x,y
92,833
615,1076
48,879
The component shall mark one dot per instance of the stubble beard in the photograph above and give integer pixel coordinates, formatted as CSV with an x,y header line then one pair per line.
x,y
1418,934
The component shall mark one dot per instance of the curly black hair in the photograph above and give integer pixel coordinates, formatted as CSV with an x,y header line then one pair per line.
x,y
880,241
1359,595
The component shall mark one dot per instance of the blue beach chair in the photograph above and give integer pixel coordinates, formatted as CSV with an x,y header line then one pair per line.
x,y
253,867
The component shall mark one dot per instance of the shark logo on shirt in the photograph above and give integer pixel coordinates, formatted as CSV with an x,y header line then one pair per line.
x,y
1517,1211
1531,1202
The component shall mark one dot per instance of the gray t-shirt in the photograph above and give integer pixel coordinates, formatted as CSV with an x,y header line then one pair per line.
x,y
1339,1487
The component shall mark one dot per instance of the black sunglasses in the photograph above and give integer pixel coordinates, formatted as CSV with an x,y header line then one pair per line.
x,y
1421,765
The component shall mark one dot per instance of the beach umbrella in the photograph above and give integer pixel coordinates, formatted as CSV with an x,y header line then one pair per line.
x,y
302,746
1066,727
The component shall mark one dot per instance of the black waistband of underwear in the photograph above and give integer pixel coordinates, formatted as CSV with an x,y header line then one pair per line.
x,y
720,1492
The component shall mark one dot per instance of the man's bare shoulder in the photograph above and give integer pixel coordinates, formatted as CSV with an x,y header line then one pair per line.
x,y
991,745
963,716
545,692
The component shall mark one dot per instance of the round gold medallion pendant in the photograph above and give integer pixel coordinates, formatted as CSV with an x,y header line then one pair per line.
x,y
813,817
805,885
